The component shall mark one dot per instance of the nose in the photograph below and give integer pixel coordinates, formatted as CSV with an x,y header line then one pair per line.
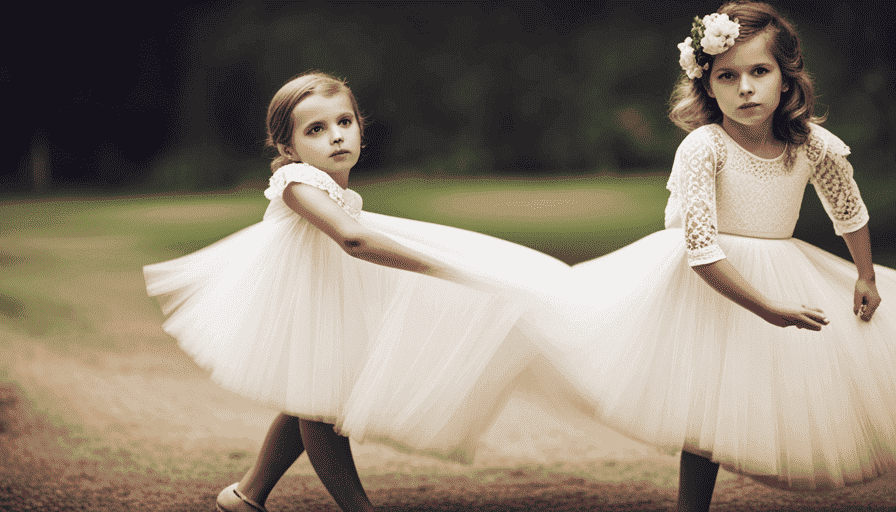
x,y
746,85
337,135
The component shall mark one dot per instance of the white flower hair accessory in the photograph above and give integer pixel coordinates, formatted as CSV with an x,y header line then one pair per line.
x,y
712,35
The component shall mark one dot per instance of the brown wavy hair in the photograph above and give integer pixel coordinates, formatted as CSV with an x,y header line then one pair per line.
x,y
692,107
280,121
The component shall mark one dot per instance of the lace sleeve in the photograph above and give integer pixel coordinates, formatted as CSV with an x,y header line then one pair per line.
x,y
303,173
834,183
695,166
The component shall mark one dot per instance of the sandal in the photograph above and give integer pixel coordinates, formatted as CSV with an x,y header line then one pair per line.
x,y
232,500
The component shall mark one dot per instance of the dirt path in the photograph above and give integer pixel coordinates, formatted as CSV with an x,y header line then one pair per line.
x,y
150,432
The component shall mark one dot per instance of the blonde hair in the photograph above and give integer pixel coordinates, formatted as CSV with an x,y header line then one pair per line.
x,y
692,107
280,119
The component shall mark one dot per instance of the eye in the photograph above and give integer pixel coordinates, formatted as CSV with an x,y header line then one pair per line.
x,y
727,75
346,121
760,71
315,129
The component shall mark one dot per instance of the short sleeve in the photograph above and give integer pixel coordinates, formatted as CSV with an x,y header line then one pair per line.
x,y
693,179
304,173
833,180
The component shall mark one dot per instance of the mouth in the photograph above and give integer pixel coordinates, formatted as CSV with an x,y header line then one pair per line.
x,y
340,152
748,105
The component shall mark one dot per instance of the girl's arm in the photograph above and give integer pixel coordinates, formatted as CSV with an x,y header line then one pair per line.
x,y
833,179
866,299
355,239
725,279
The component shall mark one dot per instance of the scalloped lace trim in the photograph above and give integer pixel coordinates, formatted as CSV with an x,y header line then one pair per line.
x,y
304,173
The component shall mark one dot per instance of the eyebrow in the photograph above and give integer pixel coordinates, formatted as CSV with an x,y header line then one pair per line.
x,y
752,66
321,120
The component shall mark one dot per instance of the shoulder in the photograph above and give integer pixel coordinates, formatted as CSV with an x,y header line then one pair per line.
x,y
822,142
701,135
300,173
705,143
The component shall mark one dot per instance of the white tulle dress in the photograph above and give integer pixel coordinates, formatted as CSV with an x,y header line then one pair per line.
x,y
280,314
677,365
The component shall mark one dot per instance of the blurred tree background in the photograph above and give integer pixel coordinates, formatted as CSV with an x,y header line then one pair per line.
x,y
173,96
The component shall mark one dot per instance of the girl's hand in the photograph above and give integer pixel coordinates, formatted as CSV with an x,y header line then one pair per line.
x,y
866,299
802,316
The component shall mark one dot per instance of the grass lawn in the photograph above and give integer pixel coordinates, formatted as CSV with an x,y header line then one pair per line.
x,y
73,264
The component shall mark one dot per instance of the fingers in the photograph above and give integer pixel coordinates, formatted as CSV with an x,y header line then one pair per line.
x,y
868,305
810,323
816,315
866,299
866,311
811,318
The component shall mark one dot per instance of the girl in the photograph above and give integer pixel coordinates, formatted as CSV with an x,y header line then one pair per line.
x,y
696,354
305,311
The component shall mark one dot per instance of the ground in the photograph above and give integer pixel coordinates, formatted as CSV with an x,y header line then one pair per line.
x,y
100,410
152,433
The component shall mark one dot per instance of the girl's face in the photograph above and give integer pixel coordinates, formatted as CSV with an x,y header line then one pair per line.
x,y
326,134
747,83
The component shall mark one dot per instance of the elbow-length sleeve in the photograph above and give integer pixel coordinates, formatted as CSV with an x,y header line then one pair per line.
x,y
834,183
693,187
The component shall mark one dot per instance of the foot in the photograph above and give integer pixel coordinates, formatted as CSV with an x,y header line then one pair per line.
x,y
232,500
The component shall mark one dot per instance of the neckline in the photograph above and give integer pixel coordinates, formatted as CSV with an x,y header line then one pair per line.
x,y
745,150
346,189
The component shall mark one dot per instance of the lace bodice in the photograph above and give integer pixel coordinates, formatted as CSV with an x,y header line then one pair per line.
x,y
349,200
718,187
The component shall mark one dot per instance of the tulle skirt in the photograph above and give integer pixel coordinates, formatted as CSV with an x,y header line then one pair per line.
x,y
675,364
436,394
280,314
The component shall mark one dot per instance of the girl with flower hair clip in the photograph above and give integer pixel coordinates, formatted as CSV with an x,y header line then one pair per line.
x,y
726,338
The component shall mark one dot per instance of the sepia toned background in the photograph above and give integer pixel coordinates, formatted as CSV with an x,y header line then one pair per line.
x,y
172,98
134,134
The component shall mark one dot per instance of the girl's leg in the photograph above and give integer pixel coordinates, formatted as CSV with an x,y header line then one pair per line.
x,y
331,456
281,447
696,481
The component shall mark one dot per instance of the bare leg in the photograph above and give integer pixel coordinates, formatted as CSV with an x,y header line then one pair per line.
x,y
331,456
696,481
282,446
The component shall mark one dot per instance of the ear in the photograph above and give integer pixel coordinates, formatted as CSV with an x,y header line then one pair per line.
x,y
785,87
708,87
285,151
